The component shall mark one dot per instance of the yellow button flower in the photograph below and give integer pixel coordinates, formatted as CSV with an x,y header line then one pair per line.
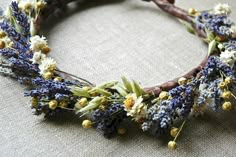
x,y
163,95
53,104
174,131
226,95
87,124
227,106
172,145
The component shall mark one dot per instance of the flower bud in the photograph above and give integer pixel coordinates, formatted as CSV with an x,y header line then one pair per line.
x,y
2,44
53,104
163,95
174,131
172,145
87,124
228,80
226,95
182,81
227,106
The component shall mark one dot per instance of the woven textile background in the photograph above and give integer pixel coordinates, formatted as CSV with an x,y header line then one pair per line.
x,y
101,43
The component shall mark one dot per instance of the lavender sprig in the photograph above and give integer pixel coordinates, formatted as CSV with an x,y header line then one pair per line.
x,y
21,18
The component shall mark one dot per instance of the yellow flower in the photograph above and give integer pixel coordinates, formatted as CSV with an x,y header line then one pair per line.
x,y
63,104
58,79
53,104
182,81
227,106
228,80
129,102
47,75
135,107
2,44
172,145
163,95
34,102
87,124
83,102
222,85
192,11
174,131
226,95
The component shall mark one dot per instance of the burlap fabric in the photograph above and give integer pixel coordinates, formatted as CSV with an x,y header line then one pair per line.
x,y
101,43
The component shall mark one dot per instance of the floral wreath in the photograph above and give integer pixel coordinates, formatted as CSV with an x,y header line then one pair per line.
x,y
24,56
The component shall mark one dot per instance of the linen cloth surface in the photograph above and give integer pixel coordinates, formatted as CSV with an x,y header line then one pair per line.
x,y
101,41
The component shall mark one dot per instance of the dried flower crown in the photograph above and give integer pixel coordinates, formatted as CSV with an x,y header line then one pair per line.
x,y
24,56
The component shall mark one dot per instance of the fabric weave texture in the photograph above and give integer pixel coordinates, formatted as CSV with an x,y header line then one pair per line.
x,y
102,41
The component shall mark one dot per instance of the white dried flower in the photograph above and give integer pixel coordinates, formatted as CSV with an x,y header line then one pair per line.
x,y
38,57
47,65
37,43
135,107
228,57
222,9
233,31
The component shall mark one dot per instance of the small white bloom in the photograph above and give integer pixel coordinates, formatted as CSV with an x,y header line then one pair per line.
x,y
228,57
38,57
47,65
233,31
222,9
37,43
138,110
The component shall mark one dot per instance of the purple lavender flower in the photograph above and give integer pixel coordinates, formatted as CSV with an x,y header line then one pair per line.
x,y
21,18
218,24
108,121
49,88
7,52
23,66
213,68
13,34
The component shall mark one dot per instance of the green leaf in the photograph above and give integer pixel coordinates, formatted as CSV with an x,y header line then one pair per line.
x,y
93,104
188,26
120,90
127,84
100,91
107,85
136,89
212,46
210,35
77,91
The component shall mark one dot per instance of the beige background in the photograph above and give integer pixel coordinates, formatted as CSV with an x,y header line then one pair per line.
x,y
102,43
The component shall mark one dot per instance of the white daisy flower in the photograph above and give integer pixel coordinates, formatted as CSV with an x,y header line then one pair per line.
x,y
135,107
37,43
228,57
47,65
38,57
222,9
